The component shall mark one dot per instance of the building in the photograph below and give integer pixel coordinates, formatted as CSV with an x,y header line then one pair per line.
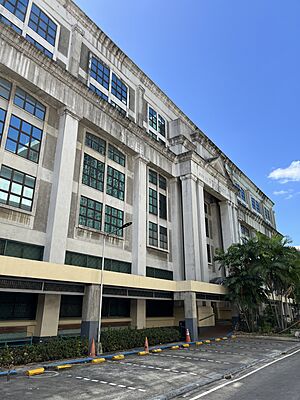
x,y
89,142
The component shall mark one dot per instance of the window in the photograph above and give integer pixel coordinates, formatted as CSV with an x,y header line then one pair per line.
x,y
9,23
113,220
161,125
162,182
100,72
162,206
42,24
152,118
115,185
159,308
29,104
16,7
115,155
266,210
153,234
93,173
114,307
95,143
152,201
16,188
117,266
119,89
11,248
207,227
70,306
18,306
5,88
98,92
90,213
245,231
209,260
2,122
163,238
159,273
24,139
39,46
255,204
152,177
120,109
241,192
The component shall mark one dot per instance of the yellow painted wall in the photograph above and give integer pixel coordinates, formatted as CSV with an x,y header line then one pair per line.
x,y
159,322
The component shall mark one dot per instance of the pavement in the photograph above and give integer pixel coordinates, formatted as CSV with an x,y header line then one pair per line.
x,y
159,376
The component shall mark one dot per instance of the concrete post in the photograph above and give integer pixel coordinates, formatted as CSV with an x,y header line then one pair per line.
x,y
60,200
139,226
47,315
74,59
190,312
190,227
202,232
90,312
227,224
138,313
140,105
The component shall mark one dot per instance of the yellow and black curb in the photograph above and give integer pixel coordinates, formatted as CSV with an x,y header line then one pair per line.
x,y
36,371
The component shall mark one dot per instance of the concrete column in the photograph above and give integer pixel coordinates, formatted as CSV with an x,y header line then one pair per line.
x,y
76,41
227,224
190,228
140,105
139,226
60,200
90,312
47,315
138,313
190,312
202,232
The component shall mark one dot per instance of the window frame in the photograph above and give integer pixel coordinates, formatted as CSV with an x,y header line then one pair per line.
x,y
155,131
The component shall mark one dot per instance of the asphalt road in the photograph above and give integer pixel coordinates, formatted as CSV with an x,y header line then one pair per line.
x,y
278,381
157,375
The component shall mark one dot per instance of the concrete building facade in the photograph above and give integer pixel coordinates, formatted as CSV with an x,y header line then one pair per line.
x,y
88,143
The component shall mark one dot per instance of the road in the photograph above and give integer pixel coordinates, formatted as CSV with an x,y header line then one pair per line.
x,y
168,373
278,381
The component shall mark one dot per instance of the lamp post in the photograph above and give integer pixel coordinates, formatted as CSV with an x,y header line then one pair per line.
x,y
106,235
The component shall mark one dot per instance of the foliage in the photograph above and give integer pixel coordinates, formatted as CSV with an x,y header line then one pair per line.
x,y
261,271
60,348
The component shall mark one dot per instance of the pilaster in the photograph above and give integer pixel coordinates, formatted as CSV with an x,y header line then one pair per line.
x,y
76,41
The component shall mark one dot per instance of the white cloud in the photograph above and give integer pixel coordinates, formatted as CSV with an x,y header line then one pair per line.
x,y
284,175
290,196
281,192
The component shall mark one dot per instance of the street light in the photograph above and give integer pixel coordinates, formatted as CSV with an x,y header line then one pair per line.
x,y
106,235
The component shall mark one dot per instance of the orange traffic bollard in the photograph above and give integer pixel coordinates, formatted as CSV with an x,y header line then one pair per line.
x,y
187,336
146,347
93,349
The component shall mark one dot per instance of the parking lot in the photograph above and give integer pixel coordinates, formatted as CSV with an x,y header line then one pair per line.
x,y
147,377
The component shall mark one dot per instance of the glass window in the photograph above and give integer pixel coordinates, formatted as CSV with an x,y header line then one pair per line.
x,y
159,308
29,104
152,177
153,234
42,24
90,213
16,188
209,260
100,72
21,250
93,173
152,201
159,273
245,231
163,238
95,143
113,220
161,125
115,185
267,211
2,122
162,206
39,46
5,88
120,109
9,23
152,118
119,89
114,307
115,155
16,7
18,306
162,182
24,139
255,205
70,306
241,192
98,92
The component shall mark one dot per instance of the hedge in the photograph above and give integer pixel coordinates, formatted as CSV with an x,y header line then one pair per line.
x,y
60,348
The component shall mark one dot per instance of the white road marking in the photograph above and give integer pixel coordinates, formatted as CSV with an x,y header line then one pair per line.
x,y
104,382
122,386
78,377
142,390
131,388
112,384
86,379
94,380
243,377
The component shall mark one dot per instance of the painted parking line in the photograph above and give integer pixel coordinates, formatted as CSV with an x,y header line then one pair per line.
x,y
175,371
195,358
83,378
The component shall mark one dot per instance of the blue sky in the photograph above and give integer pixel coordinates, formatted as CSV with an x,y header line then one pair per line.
x,y
234,68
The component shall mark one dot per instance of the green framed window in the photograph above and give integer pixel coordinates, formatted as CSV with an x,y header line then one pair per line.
x,y
113,219
152,177
24,139
163,237
152,201
90,213
162,206
159,273
152,118
116,155
161,125
11,248
16,188
95,143
115,184
93,172
153,234
162,182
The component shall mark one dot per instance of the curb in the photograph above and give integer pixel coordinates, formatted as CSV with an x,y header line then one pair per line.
x,y
116,356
